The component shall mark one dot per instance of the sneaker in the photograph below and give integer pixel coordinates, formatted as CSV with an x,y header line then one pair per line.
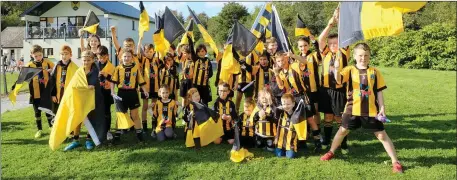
x,y
89,145
327,156
38,134
344,151
397,168
153,134
109,136
72,145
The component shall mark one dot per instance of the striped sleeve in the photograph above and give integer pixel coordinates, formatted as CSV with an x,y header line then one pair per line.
x,y
380,83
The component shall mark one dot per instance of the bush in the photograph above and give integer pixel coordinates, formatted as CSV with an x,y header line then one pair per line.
x,y
432,47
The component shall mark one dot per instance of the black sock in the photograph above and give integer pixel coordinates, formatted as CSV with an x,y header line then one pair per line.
x,y
139,135
327,135
145,125
76,138
197,143
38,124
50,121
153,125
117,135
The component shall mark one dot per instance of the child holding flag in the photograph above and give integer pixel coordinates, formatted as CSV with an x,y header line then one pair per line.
x,y
227,112
106,72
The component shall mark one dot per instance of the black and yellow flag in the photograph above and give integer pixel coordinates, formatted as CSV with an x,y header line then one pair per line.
x,y
238,154
144,20
189,32
259,28
300,28
298,120
208,124
366,20
91,23
206,37
279,32
26,74
123,118
169,29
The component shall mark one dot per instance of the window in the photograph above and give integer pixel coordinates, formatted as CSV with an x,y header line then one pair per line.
x,y
133,25
48,52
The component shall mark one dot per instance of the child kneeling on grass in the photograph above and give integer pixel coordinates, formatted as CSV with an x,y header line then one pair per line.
x,y
365,103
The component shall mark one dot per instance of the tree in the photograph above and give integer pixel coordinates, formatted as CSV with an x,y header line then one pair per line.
x,y
11,11
224,21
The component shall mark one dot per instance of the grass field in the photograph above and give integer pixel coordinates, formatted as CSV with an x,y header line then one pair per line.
x,y
10,80
420,103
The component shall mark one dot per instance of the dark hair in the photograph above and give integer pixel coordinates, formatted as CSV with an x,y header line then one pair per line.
x,y
36,48
172,46
264,53
148,47
304,38
333,35
200,47
102,50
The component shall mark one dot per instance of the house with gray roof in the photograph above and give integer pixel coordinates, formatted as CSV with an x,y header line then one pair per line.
x,y
52,24
12,42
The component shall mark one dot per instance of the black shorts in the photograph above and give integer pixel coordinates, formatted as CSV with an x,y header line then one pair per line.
x,y
129,98
247,141
332,101
230,134
151,95
313,97
354,122
107,98
248,92
185,85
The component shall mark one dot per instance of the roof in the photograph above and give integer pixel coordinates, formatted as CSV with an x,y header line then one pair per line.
x,y
108,7
13,37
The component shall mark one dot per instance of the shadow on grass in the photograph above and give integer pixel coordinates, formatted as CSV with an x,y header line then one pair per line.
x,y
12,126
25,142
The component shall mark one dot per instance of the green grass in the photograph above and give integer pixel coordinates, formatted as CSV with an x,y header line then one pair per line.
x,y
10,80
421,104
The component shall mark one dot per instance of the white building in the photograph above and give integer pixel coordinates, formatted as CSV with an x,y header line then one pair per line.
x,y
12,40
52,24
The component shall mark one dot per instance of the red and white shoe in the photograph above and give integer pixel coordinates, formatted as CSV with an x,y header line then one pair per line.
x,y
397,168
327,156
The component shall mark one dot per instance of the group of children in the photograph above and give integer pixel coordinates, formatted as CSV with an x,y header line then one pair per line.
x,y
272,84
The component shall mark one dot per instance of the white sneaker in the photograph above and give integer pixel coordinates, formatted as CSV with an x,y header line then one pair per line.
x,y
153,134
109,136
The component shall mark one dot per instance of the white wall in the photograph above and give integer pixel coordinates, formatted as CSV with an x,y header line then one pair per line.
x,y
17,53
64,8
124,29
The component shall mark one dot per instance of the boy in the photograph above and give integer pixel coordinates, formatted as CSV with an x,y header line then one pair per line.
x,y
128,43
272,47
227,112
151,76
128,77
286,138
244,78
263,74
202,72
289,80
247,127
365,103
38,84
106,72
332,95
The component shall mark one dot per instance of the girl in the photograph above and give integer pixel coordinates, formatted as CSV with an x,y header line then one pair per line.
x,y
187,72
168,76
192,129
127,77
164,113
93,42
265,123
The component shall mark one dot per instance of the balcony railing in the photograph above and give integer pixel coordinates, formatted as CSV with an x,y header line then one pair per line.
x,y
69,32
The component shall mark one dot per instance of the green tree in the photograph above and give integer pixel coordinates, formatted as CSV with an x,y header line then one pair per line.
x,y
11,10
224,21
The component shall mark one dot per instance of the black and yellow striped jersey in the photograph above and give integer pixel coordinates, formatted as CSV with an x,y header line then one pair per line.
x,y
202,67
169,77
309,71
263,77
291,80
62,74
327,76
151,73
265,127
165,113
286,135
247,128
362,88
245,75
128,77
226,107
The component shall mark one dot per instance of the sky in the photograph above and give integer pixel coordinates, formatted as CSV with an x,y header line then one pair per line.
x,y
210,8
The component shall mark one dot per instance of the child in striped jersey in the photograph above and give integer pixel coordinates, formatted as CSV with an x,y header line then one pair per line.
x,y
202,72
365,103
165,115
286,138
227,112
265,124
263,75
247,126
168,76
